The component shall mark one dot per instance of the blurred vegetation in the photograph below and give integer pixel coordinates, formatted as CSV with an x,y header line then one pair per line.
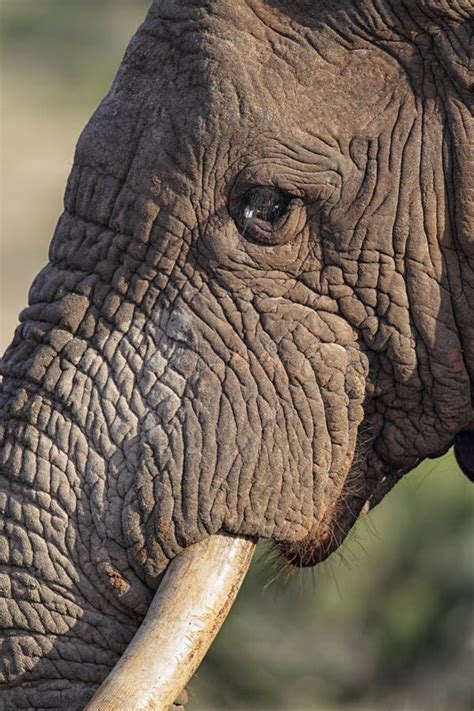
x,y
384,625
64,51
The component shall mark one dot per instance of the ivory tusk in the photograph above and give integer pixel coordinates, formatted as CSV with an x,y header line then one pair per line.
x,y
188,610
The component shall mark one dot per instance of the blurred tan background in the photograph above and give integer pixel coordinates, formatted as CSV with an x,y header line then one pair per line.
x,y
387,623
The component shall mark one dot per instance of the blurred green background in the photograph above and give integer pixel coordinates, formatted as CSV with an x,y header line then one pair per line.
x,y
384,625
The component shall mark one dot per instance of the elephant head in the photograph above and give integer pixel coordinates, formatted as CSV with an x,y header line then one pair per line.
x,y
255,319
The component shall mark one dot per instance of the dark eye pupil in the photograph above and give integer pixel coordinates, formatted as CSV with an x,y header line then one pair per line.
x,y
265,204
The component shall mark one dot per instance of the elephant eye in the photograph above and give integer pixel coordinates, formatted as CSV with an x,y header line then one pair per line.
x,y
265,204
267,215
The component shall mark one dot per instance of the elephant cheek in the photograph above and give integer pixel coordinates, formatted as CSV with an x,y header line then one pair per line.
x,y
217,461
238,453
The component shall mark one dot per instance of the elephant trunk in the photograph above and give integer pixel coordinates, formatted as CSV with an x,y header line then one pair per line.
x,y
51,437
185,616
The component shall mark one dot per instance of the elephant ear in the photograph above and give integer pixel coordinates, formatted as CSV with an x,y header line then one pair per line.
x,y
464,452
450,25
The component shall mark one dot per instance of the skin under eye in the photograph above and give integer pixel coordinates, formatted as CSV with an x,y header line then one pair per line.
x,y
267,215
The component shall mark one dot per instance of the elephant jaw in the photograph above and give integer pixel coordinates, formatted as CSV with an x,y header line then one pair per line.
x,y
188,610
355,496
327,535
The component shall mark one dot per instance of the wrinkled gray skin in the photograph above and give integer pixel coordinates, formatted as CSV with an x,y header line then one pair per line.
x,y
183,370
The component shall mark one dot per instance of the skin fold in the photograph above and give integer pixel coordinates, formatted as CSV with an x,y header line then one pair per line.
x,y
184,368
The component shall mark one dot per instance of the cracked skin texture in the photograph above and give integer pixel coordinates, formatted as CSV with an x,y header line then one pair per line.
x,y
180,372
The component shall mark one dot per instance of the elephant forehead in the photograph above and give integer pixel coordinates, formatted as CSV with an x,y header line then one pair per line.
x,y
216,81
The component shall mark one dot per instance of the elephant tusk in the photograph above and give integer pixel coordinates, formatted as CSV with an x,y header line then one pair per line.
x,y
188,610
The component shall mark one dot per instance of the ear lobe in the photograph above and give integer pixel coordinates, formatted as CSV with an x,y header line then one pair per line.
x,y
449,25
451,41
464,452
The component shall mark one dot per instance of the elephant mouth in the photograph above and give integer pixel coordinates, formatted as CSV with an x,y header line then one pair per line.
x,y
356,496
360,492
327,535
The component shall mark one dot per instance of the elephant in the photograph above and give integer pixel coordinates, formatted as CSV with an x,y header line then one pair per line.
x,y
234,339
